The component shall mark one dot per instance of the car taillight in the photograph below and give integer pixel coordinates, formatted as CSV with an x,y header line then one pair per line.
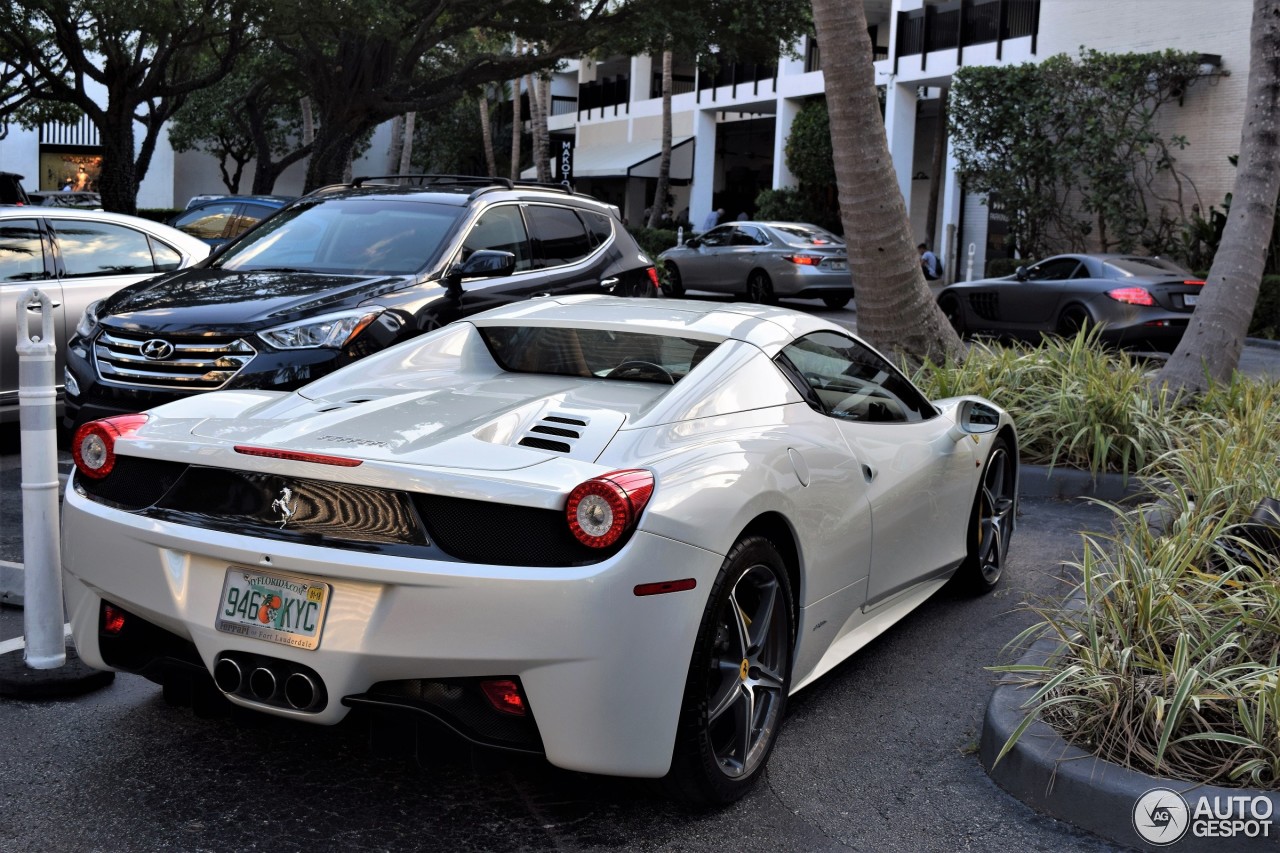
x,y
653,275
1132,295
804,260
504,695
1196,282
94,444
600,510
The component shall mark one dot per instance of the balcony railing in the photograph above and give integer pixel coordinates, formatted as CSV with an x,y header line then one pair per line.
x,y
813,54
736,74
681,84
604,93
561,105
962,23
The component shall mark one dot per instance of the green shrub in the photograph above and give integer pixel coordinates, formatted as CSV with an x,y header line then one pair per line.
x,y
655,241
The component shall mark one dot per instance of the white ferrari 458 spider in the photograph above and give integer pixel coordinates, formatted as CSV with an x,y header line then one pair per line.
x,y
617,533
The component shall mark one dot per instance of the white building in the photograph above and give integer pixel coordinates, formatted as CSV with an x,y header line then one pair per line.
x,y
730,132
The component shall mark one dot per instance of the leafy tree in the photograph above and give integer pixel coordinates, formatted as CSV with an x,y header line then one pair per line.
x,y
149,55
896,311
1210,348
1040,135
253,115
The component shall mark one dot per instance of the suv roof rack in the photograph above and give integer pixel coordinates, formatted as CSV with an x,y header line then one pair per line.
x,y
431,180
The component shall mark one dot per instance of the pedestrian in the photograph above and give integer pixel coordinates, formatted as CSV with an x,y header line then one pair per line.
x,y
713,219
742,217
928,263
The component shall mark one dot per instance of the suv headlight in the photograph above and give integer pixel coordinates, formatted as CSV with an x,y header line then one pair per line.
x,y
89,319
332,330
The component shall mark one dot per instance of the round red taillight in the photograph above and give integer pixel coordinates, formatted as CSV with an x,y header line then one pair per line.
x,y
600,510
94,444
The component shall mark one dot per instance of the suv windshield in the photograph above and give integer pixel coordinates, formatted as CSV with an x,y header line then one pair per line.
x,y
359,236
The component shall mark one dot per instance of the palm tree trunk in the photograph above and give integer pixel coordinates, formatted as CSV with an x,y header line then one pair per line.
x,y
486,132
664,163
538,117
896,311
406,145
397,145
1210,348
516,126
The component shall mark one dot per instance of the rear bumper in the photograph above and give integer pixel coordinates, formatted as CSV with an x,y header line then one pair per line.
x,y
602,669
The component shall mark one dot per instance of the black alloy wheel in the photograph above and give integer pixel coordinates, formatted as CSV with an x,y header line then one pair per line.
x,y
950,307
760,288
674,286
991,521
739,678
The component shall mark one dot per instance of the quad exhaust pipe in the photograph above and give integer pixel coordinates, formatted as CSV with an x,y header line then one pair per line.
x,y
269,681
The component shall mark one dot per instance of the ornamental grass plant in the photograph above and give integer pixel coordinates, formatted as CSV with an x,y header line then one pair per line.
x,y
1168,657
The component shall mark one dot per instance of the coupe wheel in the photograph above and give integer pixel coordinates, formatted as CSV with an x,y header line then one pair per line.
x,y
991,522
674,286
835,301
950,307
1074,320
739,678
760,288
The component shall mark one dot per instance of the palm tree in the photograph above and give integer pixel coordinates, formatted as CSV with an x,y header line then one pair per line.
x,y
1210,348
896,312
486,133
664,163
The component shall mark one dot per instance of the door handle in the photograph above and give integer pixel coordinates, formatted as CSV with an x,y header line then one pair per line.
x,y
609,283
35,309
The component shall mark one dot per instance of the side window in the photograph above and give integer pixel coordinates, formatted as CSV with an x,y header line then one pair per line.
x,y
101,248
721,236
21,252
249,216
208,222
1057,269
561,237
749,235
166,257
599,226
501,228
850,382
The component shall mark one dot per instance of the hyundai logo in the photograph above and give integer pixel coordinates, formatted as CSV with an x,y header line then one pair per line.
x,y
157,349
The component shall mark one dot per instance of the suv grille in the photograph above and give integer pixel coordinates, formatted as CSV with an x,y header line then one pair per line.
x,y
197,362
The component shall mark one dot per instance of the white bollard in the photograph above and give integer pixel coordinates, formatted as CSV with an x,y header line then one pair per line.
x,y
968,270
42,555
680,236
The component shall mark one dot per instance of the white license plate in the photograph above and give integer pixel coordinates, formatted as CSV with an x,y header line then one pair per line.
x,y
839,265
1190,299
284,609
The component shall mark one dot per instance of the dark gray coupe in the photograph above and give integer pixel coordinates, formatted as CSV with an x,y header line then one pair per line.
x,y
1138,301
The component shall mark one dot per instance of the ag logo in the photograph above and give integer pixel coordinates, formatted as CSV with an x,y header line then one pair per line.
x,y
1161,816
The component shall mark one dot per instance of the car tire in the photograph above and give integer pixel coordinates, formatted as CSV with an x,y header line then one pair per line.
x,y
675,285
760,288
835,301
1074,319
990,522
737,671
950,307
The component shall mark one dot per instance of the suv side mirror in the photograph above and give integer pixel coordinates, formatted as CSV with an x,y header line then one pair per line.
x,y
974,418
482,263
1021,274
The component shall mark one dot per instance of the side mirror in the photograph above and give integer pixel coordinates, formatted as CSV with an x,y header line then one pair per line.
x,y
1021,274
482,263
974,418
692,243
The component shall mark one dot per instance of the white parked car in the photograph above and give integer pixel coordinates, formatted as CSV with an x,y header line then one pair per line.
x,y
76,257
614,532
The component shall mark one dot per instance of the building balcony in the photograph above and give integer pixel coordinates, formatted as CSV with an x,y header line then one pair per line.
x,y
965,23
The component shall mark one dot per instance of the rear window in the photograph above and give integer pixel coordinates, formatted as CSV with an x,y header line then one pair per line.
x,y
798,234
1146,266
595,353
360,236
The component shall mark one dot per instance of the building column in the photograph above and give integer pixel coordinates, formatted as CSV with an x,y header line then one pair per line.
x,y
900,128
786,113
952,197
703,186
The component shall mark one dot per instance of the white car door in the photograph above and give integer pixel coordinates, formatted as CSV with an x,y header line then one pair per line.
x,y
918,479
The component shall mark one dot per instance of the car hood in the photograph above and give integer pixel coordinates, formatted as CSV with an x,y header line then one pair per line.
x,y
212,300
501,422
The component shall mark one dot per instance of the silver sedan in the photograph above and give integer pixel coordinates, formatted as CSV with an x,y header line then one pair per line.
x,y
764,260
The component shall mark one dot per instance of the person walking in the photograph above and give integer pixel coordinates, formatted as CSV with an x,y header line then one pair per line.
x,y
713,219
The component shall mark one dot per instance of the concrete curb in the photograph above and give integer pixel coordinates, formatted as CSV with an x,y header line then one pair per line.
x,y
1065,782
1265,343
1042,481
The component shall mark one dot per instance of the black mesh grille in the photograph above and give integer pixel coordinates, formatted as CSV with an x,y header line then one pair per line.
x,y
461,703
134,482
503,534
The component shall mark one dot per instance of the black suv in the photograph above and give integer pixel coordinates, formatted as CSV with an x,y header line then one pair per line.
x,y
11,191
339,274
